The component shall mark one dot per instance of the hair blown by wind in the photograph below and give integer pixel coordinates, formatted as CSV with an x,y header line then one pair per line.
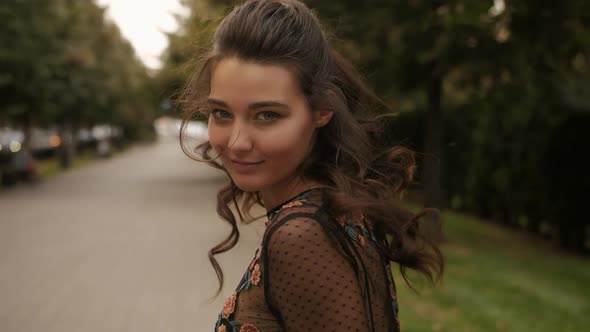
x,y
350,155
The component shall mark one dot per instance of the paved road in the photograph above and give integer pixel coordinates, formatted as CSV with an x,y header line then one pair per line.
x,y
119,245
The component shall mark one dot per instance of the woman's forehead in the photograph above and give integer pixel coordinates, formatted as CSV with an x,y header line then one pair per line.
x,y
237,81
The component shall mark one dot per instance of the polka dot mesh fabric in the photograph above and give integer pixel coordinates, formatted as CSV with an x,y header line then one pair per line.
x,y
313,272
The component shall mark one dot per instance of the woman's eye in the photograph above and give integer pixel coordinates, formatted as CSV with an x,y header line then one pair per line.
x,y
220,114
267,116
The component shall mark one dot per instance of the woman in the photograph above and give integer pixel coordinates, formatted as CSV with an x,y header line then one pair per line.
x,y
289,123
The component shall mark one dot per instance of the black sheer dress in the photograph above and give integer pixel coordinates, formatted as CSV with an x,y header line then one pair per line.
x,y
313,272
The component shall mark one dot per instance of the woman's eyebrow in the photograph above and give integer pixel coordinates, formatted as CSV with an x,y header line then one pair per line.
x,y
217,102
261,104
258,104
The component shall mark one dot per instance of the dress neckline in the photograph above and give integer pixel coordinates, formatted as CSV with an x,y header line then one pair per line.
x,y
279,206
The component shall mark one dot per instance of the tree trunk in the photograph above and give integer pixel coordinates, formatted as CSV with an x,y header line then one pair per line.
x,y
572,237
67,146
534,218
433,156
27,124
433,147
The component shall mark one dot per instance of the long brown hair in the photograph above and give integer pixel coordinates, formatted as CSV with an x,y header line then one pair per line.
x,y
349,156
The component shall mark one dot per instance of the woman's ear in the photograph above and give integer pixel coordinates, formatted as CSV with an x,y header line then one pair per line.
x,y
322,117
325,111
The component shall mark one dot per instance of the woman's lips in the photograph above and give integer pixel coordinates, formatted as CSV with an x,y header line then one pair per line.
x,y
245,167
246,162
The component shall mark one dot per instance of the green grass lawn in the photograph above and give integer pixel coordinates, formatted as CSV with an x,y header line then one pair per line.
x,y
498,280
50,167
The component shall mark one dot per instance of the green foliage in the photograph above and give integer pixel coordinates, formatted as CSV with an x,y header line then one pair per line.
x,y
509,74
510,77
531,87
63,63
186,48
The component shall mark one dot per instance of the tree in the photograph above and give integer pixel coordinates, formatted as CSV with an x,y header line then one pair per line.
x,y
486,84
64,65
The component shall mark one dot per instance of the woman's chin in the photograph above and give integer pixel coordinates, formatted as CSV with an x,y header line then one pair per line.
x,y
248,186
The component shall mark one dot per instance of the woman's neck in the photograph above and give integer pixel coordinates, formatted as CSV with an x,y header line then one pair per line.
x,y
277,194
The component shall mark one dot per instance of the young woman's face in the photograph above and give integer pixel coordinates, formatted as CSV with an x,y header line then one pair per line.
x,y
260,123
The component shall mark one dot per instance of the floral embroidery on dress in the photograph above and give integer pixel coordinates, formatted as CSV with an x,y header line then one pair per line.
x,y
355,228
393,295
248,328
222,327
253,276
296,201
225,321
229,306
362,240
222,324
256,275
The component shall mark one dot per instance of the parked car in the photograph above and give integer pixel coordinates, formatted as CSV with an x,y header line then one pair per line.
x,y
16,163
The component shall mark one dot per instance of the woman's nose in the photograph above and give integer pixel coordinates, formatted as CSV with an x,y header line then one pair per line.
x,y
239,139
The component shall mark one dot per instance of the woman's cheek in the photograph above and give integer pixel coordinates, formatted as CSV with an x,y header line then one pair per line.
x,y
210,127
284,143
216,137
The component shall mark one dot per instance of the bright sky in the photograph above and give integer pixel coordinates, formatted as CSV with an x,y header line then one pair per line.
x,y
143,22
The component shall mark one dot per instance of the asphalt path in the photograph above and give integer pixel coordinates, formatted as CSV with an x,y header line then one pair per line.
x,y
117,245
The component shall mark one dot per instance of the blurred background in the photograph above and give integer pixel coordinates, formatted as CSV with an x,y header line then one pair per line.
x,y
105,223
